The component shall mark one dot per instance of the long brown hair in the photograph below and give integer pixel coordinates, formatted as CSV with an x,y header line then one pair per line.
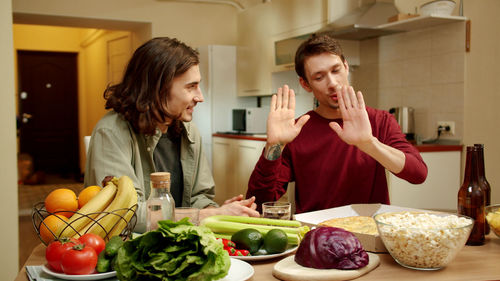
x,y
315,45
141,97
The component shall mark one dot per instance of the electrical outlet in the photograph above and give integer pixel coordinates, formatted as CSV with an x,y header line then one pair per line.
x,y
444,124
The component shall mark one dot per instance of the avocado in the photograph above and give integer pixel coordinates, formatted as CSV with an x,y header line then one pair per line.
x,y
275,241
248,239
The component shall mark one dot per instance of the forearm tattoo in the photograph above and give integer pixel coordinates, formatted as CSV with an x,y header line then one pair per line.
x,y
274,152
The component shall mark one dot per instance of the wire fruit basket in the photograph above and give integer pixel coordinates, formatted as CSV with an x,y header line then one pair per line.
x,y
39,213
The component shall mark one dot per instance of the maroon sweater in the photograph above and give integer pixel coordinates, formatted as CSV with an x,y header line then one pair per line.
x,y
329,172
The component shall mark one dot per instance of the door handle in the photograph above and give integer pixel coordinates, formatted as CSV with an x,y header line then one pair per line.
x,y
26,117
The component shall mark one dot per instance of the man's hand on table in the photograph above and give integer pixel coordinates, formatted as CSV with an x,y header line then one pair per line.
x,y
236,206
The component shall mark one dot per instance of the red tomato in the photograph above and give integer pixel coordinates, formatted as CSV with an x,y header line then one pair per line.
x,y
54,251
93,240
79,260
242,253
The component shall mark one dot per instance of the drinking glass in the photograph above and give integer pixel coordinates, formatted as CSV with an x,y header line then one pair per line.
x,y
192,213
277,210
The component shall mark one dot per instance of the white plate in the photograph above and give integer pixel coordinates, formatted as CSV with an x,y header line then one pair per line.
x,y
239,271
95,276
265,257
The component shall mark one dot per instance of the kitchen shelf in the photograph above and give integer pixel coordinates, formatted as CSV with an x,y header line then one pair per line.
x,y
358,32
420,22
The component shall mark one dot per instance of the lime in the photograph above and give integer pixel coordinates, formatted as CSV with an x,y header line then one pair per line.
x,y
275,241
248,239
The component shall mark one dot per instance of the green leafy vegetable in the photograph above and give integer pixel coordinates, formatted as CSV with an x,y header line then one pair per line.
x,y
175,251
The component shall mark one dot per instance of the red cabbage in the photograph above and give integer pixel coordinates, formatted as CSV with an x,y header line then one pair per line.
x,y
331,247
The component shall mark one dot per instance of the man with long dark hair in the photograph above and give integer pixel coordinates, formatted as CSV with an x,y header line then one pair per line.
x,y
148,129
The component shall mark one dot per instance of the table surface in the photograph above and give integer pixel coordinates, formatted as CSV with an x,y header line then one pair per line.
x,y
471,263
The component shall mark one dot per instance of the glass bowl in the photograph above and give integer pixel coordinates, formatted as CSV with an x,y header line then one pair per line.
x,y
493,218
423,240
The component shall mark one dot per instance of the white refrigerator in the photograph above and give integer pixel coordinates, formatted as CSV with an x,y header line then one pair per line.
x,y
218,85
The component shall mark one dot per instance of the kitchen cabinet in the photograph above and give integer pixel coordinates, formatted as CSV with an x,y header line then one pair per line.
x,y
254,54
233,163
438,192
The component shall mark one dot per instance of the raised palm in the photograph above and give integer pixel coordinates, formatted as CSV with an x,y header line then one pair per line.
x,y
356,128
281,125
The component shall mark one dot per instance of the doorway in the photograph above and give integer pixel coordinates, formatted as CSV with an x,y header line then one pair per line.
x,y
48,111
53,34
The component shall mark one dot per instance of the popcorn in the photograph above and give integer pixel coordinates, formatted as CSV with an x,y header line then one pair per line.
x,y
423,240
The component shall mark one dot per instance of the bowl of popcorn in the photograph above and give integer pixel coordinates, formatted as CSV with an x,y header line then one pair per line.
x,y
493,218
423,240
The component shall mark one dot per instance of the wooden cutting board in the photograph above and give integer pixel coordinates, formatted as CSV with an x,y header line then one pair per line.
x,y
287,269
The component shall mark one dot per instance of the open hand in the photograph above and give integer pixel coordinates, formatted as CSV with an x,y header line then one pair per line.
x,y
281,125
238,207
356,129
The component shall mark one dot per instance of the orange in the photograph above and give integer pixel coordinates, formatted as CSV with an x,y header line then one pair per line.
x,y
86,194
51,223
61,199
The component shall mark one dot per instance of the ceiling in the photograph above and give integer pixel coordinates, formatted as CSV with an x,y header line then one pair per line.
x,y
241,5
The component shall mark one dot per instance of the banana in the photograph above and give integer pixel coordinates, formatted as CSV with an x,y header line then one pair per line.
x,y
88,212
117,230
115,210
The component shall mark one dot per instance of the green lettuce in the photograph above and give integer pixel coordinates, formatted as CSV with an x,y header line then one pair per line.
x,y
175,251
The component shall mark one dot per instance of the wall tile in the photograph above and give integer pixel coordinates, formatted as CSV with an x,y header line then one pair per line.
x,y
418,97
447,68
423,69
389,97
448,38
391,48
390,74
417,44
447,98
369,51
370,95
367,76
416,71
421,123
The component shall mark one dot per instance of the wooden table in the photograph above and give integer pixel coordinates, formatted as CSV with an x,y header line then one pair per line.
x,y
471,263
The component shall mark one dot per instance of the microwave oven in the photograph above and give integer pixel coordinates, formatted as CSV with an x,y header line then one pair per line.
x,y
250,120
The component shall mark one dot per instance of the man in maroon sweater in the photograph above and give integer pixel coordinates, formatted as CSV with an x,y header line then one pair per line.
x,y
336,154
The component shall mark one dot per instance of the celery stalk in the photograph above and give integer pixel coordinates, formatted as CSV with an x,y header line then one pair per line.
x,y
225,236
228,225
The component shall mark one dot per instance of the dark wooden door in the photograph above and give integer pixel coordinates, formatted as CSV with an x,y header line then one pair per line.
x,y
48,108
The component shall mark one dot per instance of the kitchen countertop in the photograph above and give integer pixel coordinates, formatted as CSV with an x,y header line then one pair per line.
x,y
471,263
420,147
240,136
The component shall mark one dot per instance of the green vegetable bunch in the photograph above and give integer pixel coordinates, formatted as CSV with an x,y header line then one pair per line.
x,y
175,251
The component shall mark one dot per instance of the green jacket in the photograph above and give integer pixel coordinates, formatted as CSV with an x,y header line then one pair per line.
x,y
116,150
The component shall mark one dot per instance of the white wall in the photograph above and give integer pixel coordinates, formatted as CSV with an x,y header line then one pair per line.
x,y
194,23
482,90
8,169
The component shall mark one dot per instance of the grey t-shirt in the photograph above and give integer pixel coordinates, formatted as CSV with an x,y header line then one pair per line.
x,y
167,158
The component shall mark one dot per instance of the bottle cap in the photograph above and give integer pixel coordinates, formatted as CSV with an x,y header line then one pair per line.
x,y
160,176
